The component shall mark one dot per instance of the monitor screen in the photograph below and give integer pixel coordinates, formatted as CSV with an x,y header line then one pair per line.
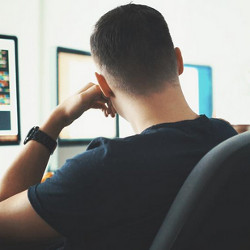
x,y
196,84
74,70
9,99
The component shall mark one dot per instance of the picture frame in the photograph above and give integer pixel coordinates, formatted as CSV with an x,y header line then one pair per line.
x,y
9,91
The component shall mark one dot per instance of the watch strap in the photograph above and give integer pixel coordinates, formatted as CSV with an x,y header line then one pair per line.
x,y
38,135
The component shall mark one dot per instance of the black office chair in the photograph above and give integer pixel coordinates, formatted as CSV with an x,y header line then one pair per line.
x,y
212,209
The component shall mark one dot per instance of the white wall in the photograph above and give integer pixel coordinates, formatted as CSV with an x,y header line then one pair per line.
x,y
213,32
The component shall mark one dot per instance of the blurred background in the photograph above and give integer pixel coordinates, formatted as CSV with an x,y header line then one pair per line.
x,y
214,33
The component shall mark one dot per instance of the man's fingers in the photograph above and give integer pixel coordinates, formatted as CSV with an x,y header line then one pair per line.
x,y
113,111
93,95
99,105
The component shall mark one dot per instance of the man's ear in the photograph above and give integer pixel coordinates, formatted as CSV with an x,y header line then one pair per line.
x,y
179,59
106,90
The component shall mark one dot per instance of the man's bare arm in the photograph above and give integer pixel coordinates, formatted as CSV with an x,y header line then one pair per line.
x,y
17,217
29,166
19,221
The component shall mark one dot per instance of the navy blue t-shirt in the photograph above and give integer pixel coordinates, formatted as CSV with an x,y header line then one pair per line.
x,y
116,194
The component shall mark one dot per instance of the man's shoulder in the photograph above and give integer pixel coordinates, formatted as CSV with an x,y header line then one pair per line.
x,y
162,136
221,121
101,149
223,125
166,130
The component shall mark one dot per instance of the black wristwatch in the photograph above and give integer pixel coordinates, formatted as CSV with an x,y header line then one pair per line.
x,y
41,137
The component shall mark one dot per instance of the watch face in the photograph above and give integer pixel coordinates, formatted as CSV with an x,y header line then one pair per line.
x,y
30,134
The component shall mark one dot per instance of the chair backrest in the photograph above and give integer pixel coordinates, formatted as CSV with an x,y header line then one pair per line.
x,y
212,209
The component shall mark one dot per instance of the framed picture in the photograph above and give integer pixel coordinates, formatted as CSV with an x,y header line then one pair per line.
x,y
75,69
9,92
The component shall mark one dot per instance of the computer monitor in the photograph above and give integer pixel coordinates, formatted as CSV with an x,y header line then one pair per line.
x,y
75,68
9,95
196,84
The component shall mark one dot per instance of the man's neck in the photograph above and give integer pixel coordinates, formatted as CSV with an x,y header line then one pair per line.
x,y
164,107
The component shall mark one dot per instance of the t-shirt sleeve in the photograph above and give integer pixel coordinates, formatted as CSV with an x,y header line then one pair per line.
x,y
75,194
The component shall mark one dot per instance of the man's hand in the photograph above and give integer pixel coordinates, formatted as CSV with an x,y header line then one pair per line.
x,y
88,97
29,167
72,108
18,220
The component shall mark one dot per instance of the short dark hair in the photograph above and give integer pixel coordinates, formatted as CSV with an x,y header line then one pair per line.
x,y
134,45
